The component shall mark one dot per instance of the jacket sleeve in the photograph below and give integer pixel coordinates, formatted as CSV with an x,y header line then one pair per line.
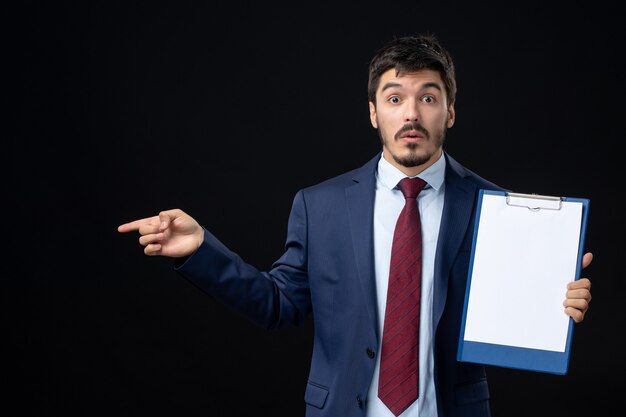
x,y
275,299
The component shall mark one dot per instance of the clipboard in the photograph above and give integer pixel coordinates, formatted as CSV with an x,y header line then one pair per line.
x,y
526,248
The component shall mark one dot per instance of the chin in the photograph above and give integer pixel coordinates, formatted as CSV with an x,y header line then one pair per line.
x,y
412,158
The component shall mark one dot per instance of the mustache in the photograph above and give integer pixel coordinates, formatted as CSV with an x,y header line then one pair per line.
x,y
412,126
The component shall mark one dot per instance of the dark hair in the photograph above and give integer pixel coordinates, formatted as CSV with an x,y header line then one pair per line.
x,y
409,54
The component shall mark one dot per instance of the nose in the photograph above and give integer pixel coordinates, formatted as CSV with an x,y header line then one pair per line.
x,y
411,111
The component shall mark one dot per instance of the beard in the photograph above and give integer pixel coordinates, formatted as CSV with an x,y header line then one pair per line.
x,y
415,158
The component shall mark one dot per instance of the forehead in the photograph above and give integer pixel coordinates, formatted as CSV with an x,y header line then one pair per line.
x,y
410,80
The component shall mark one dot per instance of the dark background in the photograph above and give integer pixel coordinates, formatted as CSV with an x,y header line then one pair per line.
x,y
115,112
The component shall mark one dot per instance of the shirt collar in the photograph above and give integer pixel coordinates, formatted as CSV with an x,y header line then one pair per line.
x,y
390,176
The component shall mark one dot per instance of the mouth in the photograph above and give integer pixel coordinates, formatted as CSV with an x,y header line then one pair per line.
x,y
412,136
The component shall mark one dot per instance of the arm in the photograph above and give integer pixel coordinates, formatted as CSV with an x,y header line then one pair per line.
x,y
274,299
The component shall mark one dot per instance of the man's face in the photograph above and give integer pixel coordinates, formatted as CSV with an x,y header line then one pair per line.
x,y
411,115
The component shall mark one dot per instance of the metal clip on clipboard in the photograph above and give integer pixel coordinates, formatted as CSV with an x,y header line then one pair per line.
x,y
534,202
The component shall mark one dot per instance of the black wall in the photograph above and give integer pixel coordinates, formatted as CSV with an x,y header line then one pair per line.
x,y
118,111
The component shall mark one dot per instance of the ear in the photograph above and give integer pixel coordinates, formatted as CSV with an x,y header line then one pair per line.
x,y
373,115
451,116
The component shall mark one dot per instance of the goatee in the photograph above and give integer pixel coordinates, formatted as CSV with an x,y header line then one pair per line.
x,y
415,158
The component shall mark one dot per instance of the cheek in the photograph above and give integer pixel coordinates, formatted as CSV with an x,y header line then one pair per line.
x,y
384,120
436,122
386,128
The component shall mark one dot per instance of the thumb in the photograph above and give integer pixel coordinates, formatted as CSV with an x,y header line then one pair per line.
x,y
168,216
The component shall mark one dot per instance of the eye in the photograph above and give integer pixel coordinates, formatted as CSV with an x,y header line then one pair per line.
x,y
394,99
428,99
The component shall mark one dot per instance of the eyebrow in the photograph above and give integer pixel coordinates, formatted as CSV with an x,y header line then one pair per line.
x,y
393,84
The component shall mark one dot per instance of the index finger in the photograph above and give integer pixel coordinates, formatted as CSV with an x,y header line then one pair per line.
x,y
579,283
135,225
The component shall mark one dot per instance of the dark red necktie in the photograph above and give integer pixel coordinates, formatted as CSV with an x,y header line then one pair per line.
x,y
399,360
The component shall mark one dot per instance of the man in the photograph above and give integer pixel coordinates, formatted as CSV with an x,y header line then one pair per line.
x,y
338,258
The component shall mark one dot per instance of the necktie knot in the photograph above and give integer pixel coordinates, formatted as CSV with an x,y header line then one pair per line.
x,y
411,187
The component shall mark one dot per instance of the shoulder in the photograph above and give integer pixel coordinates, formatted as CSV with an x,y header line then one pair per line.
x,y
365,173
454,168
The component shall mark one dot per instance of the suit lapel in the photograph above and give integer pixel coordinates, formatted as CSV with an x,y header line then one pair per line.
x,y
457,210
360,201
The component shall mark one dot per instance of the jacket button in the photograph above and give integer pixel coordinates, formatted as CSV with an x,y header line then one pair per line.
x,y
359,401
370,353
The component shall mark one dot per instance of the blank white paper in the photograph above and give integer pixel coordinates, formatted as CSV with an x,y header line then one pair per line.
x,y
523,261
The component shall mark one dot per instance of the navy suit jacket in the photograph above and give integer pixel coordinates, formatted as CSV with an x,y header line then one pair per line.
x,y
327,269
